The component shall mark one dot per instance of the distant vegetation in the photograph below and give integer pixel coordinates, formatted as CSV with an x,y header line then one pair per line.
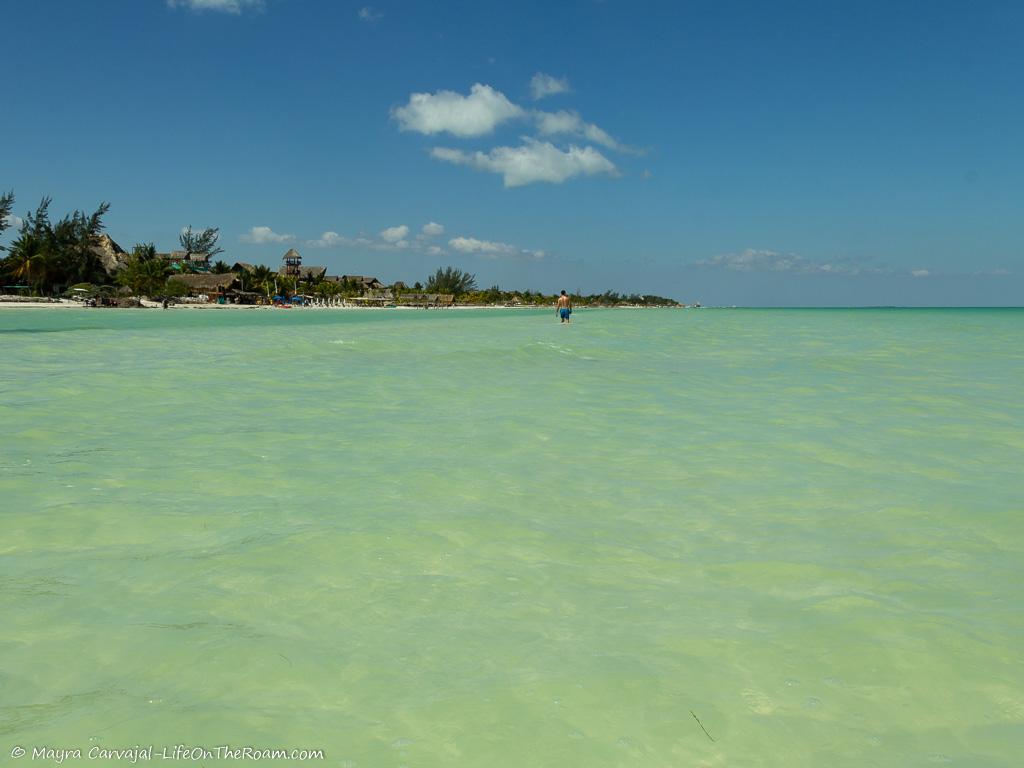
x,y
50,258
45,256
70,256
145,274
495,295
451,280
202,243
462,285
6,204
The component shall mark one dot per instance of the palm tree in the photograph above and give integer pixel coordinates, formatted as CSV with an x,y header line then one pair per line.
x,y
328,289
156,272
145,274
29,262
262,279
29,252
313,283
220,268
287,284
46,255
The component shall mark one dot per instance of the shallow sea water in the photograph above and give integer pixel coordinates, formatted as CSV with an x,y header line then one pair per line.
x,y
479,538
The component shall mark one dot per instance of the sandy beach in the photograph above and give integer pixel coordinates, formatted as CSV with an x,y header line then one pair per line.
x,y
67,304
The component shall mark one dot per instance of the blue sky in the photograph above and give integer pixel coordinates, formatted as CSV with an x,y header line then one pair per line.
x,y
755,153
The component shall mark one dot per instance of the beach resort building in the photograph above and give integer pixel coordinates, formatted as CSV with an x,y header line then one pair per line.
x,y
426,300
219,289
291,266
184,261
363,282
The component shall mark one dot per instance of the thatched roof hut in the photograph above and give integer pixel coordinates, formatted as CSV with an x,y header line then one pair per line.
x,y
426,300
208,283
181,257
304,272
364,282
244,297
372,301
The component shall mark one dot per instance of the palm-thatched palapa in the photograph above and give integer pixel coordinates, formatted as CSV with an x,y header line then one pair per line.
x,y
209,283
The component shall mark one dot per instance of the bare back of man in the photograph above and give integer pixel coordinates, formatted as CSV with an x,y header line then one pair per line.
x,y
563,308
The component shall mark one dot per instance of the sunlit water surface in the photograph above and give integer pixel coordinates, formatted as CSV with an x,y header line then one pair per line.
x,y
482,539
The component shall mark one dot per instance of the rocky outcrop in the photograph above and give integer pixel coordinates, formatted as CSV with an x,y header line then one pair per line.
x,y
112,256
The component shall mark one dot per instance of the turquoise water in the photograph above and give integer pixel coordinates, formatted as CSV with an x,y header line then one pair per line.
x,y
479,538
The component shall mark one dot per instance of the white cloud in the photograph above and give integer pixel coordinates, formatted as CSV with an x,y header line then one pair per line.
x,y
563,121
14,222
569,122
920,272
370,14
390,239
545,85
533,161
754,260
395,235
489,249
328,240
397,238
473,115
263,235
226,6
472,245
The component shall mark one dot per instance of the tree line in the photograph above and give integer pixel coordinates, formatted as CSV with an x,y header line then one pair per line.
x,y
47,257
463,286
45,253
50,258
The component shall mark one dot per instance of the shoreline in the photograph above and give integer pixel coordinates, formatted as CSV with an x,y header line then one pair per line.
x,y
268,307
239,307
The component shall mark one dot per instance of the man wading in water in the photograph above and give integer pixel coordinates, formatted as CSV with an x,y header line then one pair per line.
x,y
564,308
